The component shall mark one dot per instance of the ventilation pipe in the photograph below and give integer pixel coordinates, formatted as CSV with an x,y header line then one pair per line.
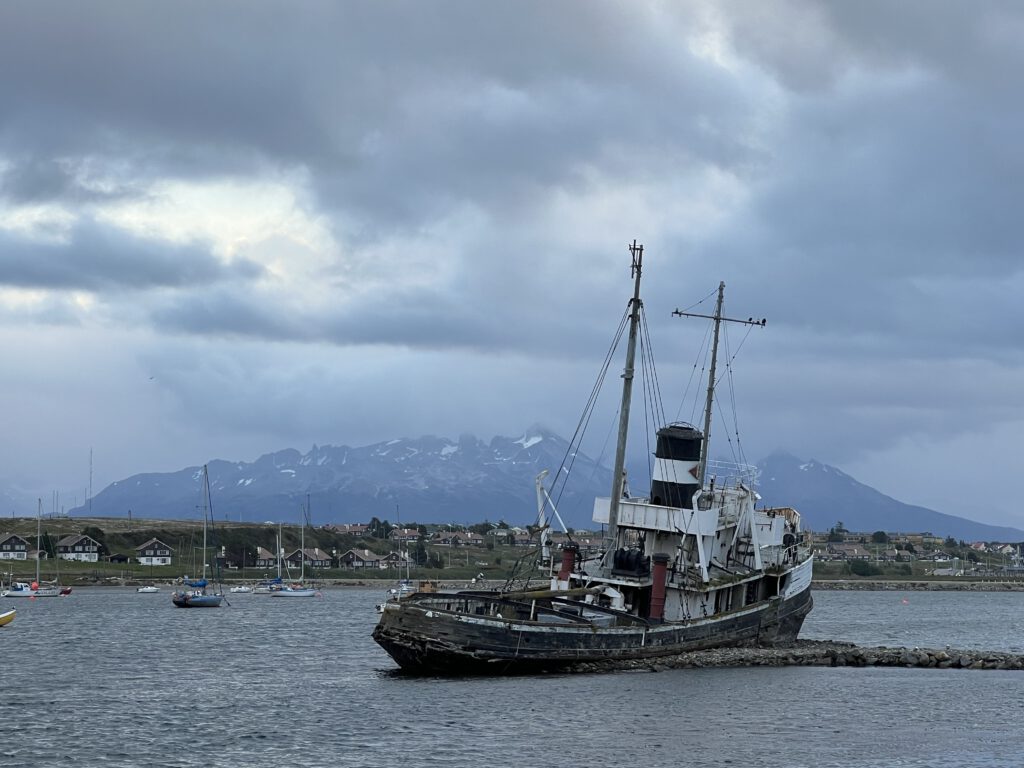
x,y
658,574
568,560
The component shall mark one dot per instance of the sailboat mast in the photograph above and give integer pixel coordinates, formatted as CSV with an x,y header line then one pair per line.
x,y
206,497
39,537
637,252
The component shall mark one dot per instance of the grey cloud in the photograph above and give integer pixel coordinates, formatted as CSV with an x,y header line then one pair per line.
x,y
33,178
397,110
813,45
220,311
101,259
871,146
50,311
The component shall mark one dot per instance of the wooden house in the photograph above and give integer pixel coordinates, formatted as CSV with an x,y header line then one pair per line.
x,y
361,558
13,547
314,558
154,552
265,558
395,560
404,535
79,547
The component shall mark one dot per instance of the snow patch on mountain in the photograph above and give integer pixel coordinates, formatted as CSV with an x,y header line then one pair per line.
x,y
528,442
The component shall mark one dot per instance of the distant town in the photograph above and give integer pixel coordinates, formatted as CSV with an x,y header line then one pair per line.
x,y
163,549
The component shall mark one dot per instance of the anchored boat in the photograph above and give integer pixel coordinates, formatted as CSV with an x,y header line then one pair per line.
x,y
37,588
694,565
198,593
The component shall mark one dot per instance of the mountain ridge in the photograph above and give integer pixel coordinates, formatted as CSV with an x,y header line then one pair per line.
x,y
860,507
467,480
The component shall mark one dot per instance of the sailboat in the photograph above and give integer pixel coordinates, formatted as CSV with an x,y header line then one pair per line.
x,y
299,589
36,588
198,593
241,589
61,591
268,586
694,565
405,585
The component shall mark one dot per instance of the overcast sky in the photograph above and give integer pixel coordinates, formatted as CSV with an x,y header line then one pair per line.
x,y
231,228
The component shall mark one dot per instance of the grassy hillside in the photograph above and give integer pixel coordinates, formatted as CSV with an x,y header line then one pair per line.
x,y
240,541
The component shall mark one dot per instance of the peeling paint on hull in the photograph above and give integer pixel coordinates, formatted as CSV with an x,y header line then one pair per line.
x,y
423,637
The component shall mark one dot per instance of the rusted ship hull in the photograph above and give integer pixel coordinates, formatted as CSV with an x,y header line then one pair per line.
x,y
475,633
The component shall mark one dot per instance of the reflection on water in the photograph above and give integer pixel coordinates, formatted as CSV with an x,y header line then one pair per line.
x,y
112,677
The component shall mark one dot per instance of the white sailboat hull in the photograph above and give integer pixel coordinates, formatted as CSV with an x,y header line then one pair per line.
x,y
21,589
19,593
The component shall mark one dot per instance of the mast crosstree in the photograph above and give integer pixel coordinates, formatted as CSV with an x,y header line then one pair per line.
x,y
719,319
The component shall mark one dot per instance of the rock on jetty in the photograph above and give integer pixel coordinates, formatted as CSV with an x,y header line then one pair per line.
x,y
820,653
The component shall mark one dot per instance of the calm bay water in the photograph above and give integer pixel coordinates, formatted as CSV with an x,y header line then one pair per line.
x,y
112,677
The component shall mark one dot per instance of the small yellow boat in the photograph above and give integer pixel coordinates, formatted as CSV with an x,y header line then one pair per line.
x,y
7,617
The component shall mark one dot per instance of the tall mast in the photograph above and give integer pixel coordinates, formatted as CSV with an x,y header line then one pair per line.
x,y
302,554
206,497
637,252
709,403
542,519
39,537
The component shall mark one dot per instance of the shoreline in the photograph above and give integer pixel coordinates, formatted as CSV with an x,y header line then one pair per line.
x,y
866,585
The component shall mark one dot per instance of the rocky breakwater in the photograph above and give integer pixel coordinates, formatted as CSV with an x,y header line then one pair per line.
x,y
819,653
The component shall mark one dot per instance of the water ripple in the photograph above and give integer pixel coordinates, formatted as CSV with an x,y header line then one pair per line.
x,y
111,677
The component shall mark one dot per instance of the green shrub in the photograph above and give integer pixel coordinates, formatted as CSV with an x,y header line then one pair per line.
x,y
864,568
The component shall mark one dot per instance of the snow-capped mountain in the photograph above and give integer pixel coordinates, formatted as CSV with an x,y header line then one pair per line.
x,y
825,495
427,479
434,479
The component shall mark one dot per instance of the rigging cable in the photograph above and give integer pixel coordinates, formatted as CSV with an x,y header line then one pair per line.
x,y
561,476
701,351
654,403
740,454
